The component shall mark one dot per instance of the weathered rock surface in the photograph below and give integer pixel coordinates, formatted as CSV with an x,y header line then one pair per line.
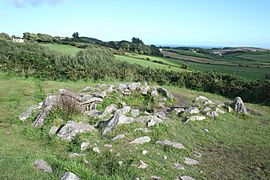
x,y
179,166
53,130
69,176
165,92
48,105
141,140
172,144
135,112
150,120
190,161
186,178
71,129
142,165
85,145
239,106
212,114
196,118
26,114
118,137
193,110
43,166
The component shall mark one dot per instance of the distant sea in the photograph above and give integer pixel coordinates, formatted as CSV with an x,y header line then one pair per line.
x,y
193,46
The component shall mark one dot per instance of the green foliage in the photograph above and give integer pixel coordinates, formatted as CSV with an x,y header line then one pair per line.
x,y
30,59
136,41
4,36
75,35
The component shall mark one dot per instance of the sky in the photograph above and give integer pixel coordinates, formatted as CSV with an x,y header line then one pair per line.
x,y
160,22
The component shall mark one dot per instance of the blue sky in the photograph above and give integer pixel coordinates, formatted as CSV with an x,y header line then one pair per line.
x,y
174,22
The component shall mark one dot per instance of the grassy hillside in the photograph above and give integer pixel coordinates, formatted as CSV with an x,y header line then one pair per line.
x,y
236,147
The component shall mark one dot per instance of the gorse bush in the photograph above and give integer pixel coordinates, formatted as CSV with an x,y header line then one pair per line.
x,y
31,59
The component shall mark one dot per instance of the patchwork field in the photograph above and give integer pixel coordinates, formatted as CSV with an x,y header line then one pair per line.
x,y
247,66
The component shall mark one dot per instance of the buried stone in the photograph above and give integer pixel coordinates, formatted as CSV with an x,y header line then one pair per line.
x,y
141,140
69,176
172,144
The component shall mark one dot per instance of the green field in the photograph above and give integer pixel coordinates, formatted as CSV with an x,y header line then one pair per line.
x,y
248,69
67,49
236,147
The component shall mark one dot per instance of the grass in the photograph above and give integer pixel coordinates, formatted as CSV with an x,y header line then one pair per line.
x,y
66,49
236,147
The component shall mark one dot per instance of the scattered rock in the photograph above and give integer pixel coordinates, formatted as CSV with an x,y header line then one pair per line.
x,y
26,114
206,110
142,165
179,166
74,155
53,130
206,130
111,123
220,111
87,89
48,105
133,86
212,114
118,137
229,109
165,92
155,178
165,157
186,178
193,110
144,152
84,145
197,154
239,106
120,163
144,89
109,109
43,166
160,114
125,120
190,161
135,112
196,118
145,130
150,120
172,144
69,176
96,150
71,129
203,100
108,145
141,140
178,110
122,87
154,93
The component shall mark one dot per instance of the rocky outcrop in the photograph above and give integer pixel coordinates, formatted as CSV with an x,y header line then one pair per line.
x,y
26,114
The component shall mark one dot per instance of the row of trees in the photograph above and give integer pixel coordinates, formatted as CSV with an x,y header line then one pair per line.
x,y
30,59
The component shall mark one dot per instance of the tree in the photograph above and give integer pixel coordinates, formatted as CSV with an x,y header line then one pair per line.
x,y
5,36
75,35
136,40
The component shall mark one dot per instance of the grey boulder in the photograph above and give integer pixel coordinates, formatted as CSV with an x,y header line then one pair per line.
x,y
69,176
71,129
43,166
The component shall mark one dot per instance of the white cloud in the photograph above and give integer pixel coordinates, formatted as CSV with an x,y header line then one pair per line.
x,y
22,3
